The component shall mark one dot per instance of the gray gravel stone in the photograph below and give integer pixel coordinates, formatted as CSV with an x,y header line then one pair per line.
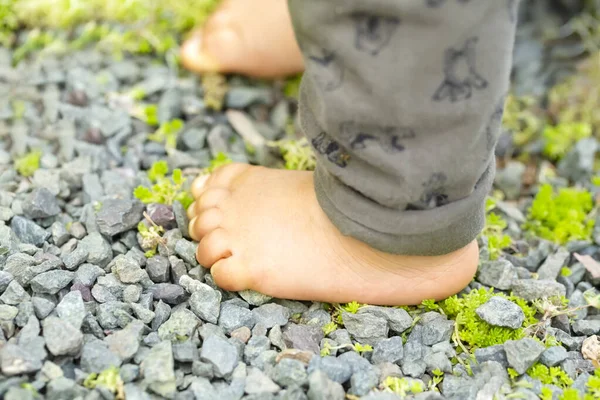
x,y
438,361
186,250
129,372
99,249
169,293
242,334
221,354
362,383
16,361
366,328
28,231
270,315
522,354
75,258
550,269
553,356
397,318
258,382
40,203
205,302
14,294
61,337
185,352
181,324
42,306
289,372
158,269
144,315
87,274
162,313
412,362
158,370
254,298
71,309
498,311
127,270
303,337
255,347
132,293
492,353
125,343
320,387
388,350
96,357
586,327
181,218
5,279
436,328
118,215
336,369
498,274
231,317
52,281
532,289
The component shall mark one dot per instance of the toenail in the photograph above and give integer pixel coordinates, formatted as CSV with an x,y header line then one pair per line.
x,y
199,184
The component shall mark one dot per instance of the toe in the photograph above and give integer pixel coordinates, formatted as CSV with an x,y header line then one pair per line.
x,y
231,274
200,184
205,222
213,247
211,198
224,176
213,50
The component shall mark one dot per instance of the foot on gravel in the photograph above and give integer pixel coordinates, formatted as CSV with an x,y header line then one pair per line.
x,y
263,229
253,38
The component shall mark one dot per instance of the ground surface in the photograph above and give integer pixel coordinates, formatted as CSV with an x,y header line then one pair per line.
x,y
94,305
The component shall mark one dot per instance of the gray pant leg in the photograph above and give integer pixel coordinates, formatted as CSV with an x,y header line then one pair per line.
x,y
402,101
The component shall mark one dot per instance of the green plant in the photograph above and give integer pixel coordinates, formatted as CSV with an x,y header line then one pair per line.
x,y
523,117
550,376
291,87
561,217
362,348
36,40
493,231
110,379
565,271
402,386
151,237
593,386
559,139
28,164
164,190
352,307
215,88
219,160
472,331
297,154
328,328
167,133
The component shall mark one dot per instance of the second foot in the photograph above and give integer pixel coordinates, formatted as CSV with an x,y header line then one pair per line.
x,y
263,229
253,38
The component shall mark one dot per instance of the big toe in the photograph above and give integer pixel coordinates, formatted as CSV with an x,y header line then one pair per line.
x,y
213,50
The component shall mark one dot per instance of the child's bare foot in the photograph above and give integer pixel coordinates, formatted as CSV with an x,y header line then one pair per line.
x,y
263,229
253,38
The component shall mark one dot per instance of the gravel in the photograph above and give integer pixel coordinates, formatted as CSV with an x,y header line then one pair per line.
x,y
78,294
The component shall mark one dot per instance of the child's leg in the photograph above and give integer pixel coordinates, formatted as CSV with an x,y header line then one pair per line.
x,y
402,101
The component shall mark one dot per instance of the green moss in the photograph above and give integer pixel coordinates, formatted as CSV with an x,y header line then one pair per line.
x,y
167,133
475,332
493,231
165,190
523,117
215,88
292,86
135,26
565,271
559,139
28,164
550,376
328,328
297,154
402,386
109,378
561,217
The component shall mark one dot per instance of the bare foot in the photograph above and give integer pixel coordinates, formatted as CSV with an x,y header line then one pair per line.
x,y
253,38
263,229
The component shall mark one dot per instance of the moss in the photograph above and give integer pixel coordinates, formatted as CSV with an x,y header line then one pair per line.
x,y
560,138
493,231
215,88
167,133
475,332
28,164
136,26
110,379
297,154
165,190
562,216
550,376
523,117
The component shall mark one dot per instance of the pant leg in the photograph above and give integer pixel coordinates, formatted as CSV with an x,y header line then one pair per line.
x,y
402,101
